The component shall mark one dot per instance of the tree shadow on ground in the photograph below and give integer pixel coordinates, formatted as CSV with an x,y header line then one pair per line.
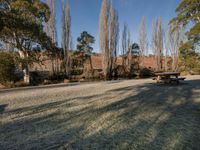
x,y
146,116
3,107
28,88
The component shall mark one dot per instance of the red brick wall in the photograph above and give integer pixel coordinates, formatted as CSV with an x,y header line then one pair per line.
x,y
149,62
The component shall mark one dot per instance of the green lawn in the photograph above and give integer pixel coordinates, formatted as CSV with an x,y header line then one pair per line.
x,y
120,115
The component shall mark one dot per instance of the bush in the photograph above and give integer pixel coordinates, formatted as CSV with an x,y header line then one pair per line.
x,y
145,72
77,72
195,71
7,67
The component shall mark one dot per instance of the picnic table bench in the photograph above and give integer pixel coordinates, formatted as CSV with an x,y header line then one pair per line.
x,y
168,77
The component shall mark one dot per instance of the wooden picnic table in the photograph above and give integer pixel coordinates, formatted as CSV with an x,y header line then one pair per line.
x,y
168,77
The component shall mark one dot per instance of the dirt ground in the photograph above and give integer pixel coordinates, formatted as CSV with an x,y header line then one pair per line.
x,y
123,114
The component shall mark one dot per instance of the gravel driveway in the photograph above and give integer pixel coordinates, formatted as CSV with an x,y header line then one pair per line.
x,y
124,114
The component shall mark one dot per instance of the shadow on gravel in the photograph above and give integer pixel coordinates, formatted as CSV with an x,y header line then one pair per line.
x,y
3,107
149,116
37,87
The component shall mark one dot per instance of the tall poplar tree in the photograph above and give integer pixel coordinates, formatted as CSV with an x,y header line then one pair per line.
x,y
52,33
126,44
157,42
174,37
66,35
51,24
108,36
143,41
114,38
104,36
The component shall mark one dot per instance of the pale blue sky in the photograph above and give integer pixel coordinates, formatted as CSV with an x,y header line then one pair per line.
x,y
85,15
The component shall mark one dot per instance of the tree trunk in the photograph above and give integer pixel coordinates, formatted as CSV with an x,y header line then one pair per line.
x,y
26,74
52,65
129,60
91,66
25,67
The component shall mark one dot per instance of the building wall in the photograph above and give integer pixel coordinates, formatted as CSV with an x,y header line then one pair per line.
x,y
149,62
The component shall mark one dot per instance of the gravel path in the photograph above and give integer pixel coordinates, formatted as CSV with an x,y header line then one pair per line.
x,y
124,114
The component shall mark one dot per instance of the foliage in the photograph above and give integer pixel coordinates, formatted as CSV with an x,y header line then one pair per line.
x,y
135,48
23,22
7,67
22,25
77,72
145,72
189,59
189,15
84,49
84,42
77,61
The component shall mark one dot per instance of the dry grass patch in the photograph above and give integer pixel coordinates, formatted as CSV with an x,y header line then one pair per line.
x,y
134,114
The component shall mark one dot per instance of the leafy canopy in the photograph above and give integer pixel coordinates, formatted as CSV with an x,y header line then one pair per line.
x,y
7,67
22,23
189,15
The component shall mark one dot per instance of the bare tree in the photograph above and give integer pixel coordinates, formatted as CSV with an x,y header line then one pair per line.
x,y
166,49
160,43
66,34
129,53
125,39
159,46
174,38
52,33
104,36
108,36
142,41
114,37
126,42
51,24
154,36
157,42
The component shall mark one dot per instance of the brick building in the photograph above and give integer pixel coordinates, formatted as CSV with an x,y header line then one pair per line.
x,y
96,61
